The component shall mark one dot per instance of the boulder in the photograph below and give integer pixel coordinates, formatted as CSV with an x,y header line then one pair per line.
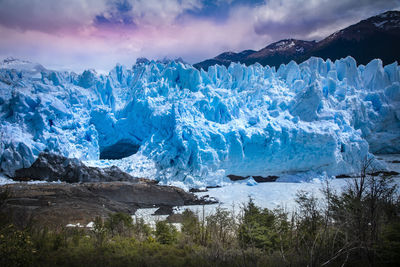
x,y
52,167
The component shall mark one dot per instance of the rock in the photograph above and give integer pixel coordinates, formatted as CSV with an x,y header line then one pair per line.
x,y
58,204
52,167
258,179
164,210
197,190
145,195
213,186
341,176
384,173
233,177
376,173
269,178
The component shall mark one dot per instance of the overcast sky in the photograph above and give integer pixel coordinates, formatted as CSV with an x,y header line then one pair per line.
x,y
81,34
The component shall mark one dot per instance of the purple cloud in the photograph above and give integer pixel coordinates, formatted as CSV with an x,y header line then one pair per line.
x,y
99,33
118,14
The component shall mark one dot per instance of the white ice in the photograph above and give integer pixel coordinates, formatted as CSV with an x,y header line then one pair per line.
x,y
179,125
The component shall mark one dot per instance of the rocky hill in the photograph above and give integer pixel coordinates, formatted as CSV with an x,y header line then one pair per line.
x,y
375,37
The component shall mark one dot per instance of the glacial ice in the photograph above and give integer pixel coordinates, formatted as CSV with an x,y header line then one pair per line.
x,y
196,127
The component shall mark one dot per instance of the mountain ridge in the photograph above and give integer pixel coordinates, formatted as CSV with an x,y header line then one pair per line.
x,y
374,37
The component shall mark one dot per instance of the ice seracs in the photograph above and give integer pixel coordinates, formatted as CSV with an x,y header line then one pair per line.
x,y
29,68
196,127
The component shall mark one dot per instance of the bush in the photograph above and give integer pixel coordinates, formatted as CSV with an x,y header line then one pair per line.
x,y
165,233
141,231
119,224
221,227
258,228
191,227
99,232
363,212
16,247
360,226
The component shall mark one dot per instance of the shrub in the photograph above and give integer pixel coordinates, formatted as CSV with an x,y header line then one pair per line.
x,y
191,227
141,231
119,224
99,232
221,227
165,233
258,228
16,247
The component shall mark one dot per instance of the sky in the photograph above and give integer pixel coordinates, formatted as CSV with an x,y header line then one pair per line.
x,y
97,34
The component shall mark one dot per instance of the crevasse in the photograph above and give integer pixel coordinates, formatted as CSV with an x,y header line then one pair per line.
x,y
200,126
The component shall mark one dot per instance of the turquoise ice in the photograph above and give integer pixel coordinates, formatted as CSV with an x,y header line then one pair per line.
x,y
197,126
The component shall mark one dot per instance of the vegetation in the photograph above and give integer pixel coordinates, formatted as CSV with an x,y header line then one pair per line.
x,y
358,227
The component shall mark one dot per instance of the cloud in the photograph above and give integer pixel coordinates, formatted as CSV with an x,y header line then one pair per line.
x,y
314,18
118,14
219,10
98,33
131,14
49,16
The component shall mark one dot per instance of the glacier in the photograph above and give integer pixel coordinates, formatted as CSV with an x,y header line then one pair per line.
x,y
197,127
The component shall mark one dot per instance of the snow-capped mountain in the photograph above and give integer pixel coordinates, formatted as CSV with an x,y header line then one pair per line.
x,y
224,59
198,127
280,52
376,37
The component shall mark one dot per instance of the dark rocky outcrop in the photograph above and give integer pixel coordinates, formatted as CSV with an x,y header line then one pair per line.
x,y
197,190
258,179
164,210
374,173
341,176
57,204
52,167
384,173
88,192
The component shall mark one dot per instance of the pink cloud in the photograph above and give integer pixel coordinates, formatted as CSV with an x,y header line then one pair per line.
x,y
66,33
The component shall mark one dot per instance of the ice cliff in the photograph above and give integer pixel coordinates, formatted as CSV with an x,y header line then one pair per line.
x,y
199,126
